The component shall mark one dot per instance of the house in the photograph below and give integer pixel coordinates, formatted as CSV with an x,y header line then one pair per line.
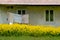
x,y
36,12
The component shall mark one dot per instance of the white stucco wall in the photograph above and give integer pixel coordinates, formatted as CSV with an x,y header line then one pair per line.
x,y
3,14
36,14
57,16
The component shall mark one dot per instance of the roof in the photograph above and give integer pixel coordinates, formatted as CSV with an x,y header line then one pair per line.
x,y
31,2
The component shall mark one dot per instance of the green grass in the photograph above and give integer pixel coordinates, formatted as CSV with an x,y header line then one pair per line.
x,y
29,38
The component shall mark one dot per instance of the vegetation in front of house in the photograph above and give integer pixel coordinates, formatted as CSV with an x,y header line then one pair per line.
x,y
31,30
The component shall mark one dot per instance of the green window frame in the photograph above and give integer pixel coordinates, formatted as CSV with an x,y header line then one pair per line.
x,y
21,12
49,15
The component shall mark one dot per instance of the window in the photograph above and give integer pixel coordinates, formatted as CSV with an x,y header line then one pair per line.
x,y
21,12
49,15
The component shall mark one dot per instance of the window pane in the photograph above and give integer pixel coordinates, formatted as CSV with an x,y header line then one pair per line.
x,y
47,15
23,12
19,11
51,15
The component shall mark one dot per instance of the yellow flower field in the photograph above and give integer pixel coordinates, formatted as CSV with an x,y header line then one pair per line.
x,y
23,29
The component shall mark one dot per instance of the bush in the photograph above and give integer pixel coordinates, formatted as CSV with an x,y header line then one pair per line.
x,y
31,30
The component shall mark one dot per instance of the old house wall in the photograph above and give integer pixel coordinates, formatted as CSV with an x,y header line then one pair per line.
x,y
36,14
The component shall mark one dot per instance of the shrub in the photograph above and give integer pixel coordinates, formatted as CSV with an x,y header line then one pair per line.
x,y
24,29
